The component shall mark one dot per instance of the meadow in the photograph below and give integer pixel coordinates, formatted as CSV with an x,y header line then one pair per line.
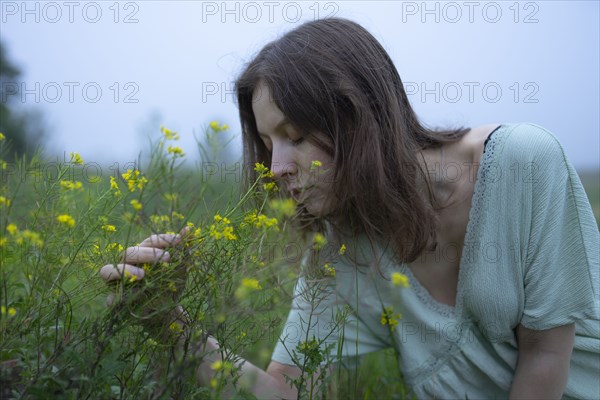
x,y
61,220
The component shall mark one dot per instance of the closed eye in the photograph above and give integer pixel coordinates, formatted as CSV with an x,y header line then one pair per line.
x,y
297,141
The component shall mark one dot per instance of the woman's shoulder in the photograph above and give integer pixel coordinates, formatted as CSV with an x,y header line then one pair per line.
x,y
525,144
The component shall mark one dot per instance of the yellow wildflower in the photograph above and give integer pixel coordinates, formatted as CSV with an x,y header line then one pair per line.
x,y
169,134
319,241
11,311
170,196
12,229
285,207
109,228
130,277
33,237
214,383
270,187
3,241
116,247
66,220
342,250
260,220
137,206
134,178
329,270
247,286
2,137
214,125
263,171
175,327
399,279
115,186
70,185
220,365
176,215
176,151
251,283
4,201
389,318
315,164
76,159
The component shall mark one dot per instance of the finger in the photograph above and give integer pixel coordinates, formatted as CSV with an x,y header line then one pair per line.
x,y
161,240
138,254
113,272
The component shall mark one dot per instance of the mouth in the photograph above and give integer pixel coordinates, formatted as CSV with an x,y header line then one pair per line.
x,y
296,194
299,194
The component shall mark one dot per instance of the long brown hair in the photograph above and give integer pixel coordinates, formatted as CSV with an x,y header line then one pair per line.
x,y
338,86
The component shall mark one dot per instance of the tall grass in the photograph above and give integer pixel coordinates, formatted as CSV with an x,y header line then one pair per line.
x,y
62,220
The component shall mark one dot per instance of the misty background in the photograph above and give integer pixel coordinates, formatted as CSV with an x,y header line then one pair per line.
x,y
100,77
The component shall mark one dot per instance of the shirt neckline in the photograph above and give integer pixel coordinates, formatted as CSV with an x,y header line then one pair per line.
x,y
422,293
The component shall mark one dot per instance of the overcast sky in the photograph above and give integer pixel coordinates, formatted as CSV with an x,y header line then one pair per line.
x,y
105,73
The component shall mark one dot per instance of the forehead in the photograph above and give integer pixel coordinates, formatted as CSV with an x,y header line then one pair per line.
x,y
266,112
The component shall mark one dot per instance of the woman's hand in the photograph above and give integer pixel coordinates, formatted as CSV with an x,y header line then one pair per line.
x,y
150,280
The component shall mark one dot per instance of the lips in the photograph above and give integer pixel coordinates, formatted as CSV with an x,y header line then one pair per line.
x,y
299,193
295,194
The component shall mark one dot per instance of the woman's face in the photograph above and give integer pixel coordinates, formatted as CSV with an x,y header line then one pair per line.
x,y
298,166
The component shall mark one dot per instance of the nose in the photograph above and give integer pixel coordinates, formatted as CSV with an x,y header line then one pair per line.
x,y
283,165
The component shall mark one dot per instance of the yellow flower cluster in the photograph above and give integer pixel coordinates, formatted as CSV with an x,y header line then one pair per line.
x,y
329,270
319,241
66,219
22,236
309,345
315,164
169,134
225,231
109,228
399,279
285,208
32,237
137,206
247,286
134,178
2,137
176,151
270,187
70,185
260,220
76,159
176,328
221,365
12,229
214,125
251,283
114,186
11,311
389,318
4,201
342,250
263,171
115,247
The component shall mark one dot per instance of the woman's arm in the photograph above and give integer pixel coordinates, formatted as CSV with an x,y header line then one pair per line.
x,y
270,384
543,364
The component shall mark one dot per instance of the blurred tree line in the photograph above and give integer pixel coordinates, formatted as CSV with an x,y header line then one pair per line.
x,y
24,129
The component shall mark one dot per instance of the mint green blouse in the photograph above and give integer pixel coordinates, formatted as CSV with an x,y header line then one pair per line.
x,y
530,257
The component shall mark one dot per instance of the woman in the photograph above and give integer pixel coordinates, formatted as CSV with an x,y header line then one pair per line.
x,y
501,254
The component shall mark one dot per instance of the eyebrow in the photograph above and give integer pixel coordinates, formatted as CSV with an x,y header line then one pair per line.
x,y
284,121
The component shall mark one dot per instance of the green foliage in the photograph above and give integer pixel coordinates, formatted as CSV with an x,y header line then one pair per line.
x,y
59,224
